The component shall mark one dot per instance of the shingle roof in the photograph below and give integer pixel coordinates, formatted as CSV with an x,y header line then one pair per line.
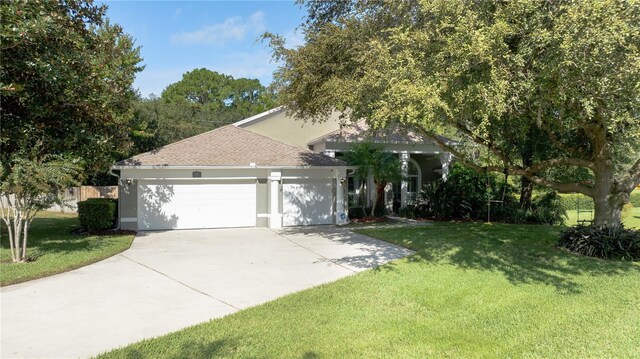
x,y
230,146
362,132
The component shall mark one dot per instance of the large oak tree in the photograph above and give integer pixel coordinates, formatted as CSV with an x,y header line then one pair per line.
x,y
497,72
66,92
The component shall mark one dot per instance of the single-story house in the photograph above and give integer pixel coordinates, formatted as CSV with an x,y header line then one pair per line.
x,y
268,170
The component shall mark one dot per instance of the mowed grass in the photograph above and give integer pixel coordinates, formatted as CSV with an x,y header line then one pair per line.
x,y
53,249
630,218
471,291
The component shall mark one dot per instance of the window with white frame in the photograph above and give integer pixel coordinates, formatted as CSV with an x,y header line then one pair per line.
x,y
414,179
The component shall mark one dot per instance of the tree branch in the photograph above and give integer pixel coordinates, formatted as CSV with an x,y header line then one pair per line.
x,y
563,187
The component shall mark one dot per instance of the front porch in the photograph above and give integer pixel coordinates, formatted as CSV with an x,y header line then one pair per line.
x,y
421,160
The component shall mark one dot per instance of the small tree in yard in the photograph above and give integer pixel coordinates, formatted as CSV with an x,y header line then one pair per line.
x,y
370,160
66,91
31,186
499,73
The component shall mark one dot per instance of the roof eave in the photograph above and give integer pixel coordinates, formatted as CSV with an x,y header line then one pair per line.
x,y
185,167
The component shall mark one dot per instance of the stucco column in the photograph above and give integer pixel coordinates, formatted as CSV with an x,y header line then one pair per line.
x,y
275,218
341,208
445,159
404,184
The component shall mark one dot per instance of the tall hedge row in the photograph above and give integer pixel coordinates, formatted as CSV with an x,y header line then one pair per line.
x,y
571,201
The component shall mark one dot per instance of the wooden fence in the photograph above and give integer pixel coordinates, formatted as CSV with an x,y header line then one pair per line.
x,y
73,195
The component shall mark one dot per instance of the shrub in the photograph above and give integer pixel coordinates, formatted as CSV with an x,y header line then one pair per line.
x,y
408,212
602,242
574,200
547,208
97,214
462,195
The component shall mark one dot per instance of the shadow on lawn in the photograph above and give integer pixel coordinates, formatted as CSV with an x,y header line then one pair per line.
x,y
190,349
373,253
523,254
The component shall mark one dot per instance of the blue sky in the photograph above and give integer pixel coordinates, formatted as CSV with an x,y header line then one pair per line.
x,y
178,36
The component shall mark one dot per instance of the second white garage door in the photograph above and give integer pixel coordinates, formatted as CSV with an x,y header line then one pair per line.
x,y
307,202
196,205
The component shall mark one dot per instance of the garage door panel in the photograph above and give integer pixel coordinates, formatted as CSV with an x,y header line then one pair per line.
x,y
307,202
197,205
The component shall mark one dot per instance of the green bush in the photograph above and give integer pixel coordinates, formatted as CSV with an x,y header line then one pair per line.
x,y
602,242
572,201
97,214
463,195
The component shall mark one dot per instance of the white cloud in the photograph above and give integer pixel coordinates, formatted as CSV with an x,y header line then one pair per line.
x,y
233,28
294,38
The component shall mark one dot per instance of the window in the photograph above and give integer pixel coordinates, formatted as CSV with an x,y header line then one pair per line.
x,y
413,181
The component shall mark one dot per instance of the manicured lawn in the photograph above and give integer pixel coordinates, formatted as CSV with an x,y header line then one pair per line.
x,y
631,218
55,250
471,291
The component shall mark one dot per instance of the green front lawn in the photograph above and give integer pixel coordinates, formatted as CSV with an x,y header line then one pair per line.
x,y
472,290
54,249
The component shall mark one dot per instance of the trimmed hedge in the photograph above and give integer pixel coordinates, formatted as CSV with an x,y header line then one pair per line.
x,y
571,201
96,214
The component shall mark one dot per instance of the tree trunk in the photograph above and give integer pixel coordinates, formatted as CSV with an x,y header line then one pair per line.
x,y
379,206
526,186
608,203
526,192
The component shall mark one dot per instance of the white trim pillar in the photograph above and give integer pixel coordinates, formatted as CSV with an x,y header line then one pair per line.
x,y
445,159
275,218
342,217
404,184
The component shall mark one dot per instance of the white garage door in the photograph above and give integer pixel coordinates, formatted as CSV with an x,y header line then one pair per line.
x,y
307,202
196,205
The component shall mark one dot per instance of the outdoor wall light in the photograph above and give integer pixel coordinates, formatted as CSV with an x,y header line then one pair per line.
x,y
342,180
127,181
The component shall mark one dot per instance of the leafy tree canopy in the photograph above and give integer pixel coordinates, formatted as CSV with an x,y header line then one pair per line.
x,y
492,71
65,82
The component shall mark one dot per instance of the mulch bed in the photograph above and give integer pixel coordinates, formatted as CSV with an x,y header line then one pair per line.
x,y
104,232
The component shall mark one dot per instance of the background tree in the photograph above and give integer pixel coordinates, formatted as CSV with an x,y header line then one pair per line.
x,y
370,160
203,100
489,70
228,98
65,89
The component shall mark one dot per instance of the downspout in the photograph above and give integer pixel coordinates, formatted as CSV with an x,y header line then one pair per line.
x,y
118,182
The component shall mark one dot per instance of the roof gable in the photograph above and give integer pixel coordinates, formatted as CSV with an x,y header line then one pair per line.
x,y
230,146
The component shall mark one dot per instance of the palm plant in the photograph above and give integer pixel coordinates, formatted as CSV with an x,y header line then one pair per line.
x,y
371,160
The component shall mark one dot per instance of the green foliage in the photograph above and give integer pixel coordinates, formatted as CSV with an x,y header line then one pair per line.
x,y
36,184
602,242
203,100
96,214
220,94
513,77
634,199
463,195
66,89
371,160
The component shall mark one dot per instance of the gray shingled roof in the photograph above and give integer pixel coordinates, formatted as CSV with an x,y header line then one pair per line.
x,y
362,132
230,146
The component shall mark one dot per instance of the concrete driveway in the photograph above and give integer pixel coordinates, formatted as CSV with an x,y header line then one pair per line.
x,y
170,280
